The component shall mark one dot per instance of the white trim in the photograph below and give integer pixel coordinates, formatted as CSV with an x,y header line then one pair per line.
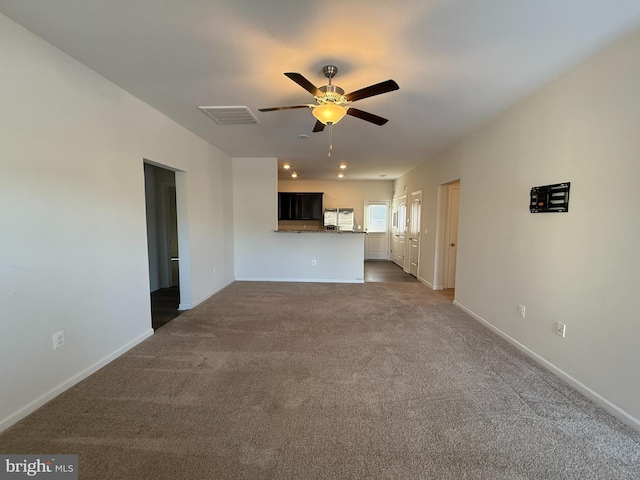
x,y
301,280
432,287
189,306
55,391
609,406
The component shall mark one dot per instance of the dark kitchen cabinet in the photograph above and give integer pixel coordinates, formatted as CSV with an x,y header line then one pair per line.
x,y
299,206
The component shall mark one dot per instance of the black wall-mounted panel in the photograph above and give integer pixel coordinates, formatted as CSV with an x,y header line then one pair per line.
x,y
550,198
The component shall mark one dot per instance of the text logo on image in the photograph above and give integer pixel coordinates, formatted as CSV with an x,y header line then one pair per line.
x,y
50,467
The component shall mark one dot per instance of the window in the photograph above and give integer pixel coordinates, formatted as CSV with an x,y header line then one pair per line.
x,y
376,218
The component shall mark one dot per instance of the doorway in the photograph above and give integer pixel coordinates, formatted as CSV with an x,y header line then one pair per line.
x,y
376,225
414,232
162,243
398,230
451,210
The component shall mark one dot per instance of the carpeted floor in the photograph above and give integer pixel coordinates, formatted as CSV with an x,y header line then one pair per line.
x,y
327,381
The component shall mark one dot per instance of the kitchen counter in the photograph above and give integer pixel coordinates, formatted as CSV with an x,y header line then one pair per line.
x,y
300,256
340,232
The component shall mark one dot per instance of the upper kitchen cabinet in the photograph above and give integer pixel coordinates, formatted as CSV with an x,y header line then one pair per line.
x,y
299,206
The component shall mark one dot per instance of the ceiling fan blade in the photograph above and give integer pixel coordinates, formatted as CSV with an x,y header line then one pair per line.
x,y
304,83
377,89
369,117
319,126
274,109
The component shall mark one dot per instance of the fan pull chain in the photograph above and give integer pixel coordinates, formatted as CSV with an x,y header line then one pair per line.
x,y
330,139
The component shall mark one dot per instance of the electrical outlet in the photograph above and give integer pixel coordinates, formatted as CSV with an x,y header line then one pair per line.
x,y
313,263
521,309
58,339
561,329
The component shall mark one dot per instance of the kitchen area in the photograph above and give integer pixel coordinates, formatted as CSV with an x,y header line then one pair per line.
x,y
305,212
321,233
288,240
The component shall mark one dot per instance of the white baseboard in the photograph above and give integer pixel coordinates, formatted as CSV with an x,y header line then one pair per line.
x,y
431,286
189,306
609,406
301,280
57,390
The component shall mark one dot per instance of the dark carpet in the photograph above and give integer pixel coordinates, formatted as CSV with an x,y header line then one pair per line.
x,y
328,381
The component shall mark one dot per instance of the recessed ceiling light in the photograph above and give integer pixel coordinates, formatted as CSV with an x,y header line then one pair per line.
x,y
343,166
303,136
294,175
286,166
340,175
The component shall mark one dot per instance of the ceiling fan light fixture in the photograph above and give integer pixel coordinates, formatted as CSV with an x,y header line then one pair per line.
x,y
329,113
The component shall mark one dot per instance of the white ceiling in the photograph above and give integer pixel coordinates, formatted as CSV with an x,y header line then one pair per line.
x,y
458,63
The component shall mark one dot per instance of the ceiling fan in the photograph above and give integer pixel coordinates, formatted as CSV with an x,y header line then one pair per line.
x,y
332,103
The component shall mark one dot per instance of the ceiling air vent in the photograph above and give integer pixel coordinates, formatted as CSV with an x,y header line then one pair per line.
x,y
230,115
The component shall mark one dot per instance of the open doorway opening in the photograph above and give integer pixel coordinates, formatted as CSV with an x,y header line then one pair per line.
x,y
162,243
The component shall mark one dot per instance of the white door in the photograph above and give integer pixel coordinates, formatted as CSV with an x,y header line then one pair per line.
x,y
414,232
376,224
453,209
398,229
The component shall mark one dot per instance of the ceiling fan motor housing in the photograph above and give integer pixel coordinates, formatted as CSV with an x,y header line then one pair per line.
x,y
332,93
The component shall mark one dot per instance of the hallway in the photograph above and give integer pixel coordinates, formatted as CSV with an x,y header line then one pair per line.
x,y
387,271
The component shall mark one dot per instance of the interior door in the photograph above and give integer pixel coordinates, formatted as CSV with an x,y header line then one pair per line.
x,y
414,232
376,224
398,230
452,229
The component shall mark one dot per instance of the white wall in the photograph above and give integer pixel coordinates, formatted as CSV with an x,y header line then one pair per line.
x,y
343,193
581,267
73,246
263,254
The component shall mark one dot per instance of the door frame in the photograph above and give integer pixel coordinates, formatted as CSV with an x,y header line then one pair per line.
x,y
450,257
386,203
184,255
417,195
441,247
396,217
